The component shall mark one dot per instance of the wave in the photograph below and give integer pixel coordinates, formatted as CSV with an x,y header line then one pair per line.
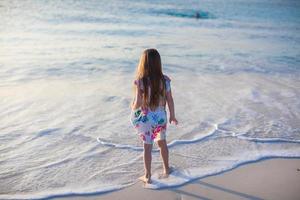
x,y
196,140
268,140
198,14
170,145
70,193
210,135
119,146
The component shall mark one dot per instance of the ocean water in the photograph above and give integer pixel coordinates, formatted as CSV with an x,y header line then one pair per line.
x,y
66,73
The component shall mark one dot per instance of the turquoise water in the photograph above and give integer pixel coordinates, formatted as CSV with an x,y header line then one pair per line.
x,y
66,73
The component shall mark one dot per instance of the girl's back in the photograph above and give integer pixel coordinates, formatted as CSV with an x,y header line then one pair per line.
x,y
162,92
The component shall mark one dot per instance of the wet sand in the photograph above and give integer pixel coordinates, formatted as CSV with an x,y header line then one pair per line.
x,y
266,179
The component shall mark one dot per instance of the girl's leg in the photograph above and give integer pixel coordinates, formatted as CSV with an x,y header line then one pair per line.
x,y
147,162
164,152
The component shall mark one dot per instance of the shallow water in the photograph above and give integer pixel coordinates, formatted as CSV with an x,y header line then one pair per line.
x,y
66,73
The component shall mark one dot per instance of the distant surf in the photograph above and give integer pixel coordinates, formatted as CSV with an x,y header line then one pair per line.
x,y
197,14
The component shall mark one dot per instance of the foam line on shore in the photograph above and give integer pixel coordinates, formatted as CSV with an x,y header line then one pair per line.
x,y
170,145
209,135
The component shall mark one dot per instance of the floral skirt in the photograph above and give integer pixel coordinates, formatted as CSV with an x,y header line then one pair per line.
x,y
150,125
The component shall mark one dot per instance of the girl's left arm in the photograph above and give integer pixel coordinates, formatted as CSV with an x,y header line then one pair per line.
x,y
137,101
171,106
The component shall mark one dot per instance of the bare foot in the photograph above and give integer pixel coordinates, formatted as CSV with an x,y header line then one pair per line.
x,y
166,173
146,180
162,176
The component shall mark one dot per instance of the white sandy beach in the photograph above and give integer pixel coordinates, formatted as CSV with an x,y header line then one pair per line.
x,y
267,179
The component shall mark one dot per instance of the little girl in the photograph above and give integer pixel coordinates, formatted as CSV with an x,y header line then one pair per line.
x,y
152,92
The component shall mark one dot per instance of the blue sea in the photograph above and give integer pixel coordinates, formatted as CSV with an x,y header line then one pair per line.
x,y
66,74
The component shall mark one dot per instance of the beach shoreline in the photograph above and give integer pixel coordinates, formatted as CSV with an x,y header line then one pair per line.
x,y
274,178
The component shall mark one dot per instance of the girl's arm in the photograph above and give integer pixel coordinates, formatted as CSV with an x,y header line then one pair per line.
x,y
171,106
137,101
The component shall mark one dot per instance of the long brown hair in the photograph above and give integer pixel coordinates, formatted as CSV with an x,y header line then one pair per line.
x,y
149,71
